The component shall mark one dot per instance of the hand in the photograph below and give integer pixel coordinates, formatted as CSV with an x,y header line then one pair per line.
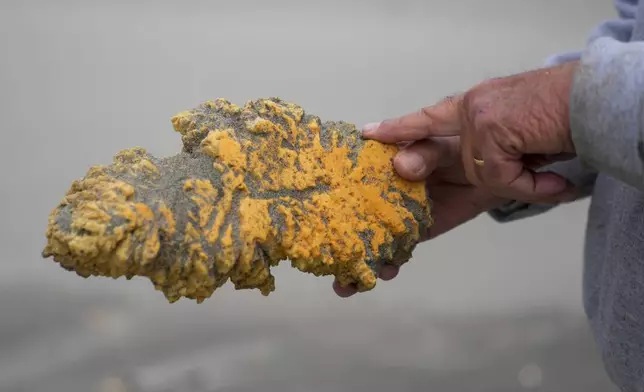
x,y
509,127
436,161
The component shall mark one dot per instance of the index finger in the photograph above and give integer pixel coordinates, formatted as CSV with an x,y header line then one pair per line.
x,y
441,119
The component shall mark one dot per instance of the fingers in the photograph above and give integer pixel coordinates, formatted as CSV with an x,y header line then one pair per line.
x,y
344,292
387,272
533,186
414,162
418,160
508,176
442,119
536,161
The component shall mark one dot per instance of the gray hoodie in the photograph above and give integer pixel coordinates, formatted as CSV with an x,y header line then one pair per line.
x,y
607,124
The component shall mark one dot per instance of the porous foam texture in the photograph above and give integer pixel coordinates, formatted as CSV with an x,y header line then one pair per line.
x,y
253,186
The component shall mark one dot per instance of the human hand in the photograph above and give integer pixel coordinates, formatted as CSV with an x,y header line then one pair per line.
x,y
480,149
509,127
436,161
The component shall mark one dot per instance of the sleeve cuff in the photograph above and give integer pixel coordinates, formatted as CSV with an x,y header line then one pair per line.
x,y
607,109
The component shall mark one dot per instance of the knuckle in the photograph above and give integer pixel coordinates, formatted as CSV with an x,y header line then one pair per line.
x,y
476,107
470,101
425,112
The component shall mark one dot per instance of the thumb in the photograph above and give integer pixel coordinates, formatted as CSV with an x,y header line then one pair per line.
x,y
442,119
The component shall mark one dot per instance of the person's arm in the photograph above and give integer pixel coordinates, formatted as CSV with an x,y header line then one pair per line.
x,y
577,170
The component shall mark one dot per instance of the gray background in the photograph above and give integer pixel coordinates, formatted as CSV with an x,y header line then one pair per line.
x,y
485,308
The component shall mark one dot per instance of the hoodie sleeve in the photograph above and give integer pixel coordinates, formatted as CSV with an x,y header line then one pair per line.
x,y
607,109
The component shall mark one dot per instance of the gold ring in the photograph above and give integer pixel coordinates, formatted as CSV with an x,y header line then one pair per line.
x,y
479,162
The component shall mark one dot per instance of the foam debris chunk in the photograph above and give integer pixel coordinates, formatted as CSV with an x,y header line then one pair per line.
x,y
252,186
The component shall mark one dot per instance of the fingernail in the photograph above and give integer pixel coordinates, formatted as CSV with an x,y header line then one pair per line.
x,y
411,162
370,128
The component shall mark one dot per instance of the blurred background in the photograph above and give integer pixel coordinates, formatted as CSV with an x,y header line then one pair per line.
x,y
487,307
